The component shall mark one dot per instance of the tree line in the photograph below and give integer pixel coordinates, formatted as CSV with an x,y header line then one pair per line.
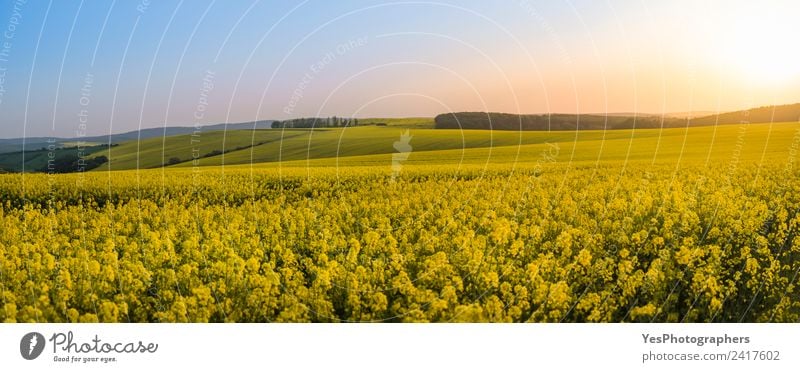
x,y
329,122
543,122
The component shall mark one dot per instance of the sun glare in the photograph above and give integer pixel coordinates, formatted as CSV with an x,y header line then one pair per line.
x,y
762,49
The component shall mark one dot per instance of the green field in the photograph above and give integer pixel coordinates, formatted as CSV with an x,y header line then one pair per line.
x,y
155,152
37,160
373,145
192,149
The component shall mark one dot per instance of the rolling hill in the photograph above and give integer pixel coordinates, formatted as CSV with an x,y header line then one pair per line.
x,y
373,146
272,145
548,122
37,160
729,145
8,145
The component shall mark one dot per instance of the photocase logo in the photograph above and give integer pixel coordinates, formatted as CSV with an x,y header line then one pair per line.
x,y
31,345
403,148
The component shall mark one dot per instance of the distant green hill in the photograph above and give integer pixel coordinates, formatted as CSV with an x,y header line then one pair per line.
x,y
8,145
502,121
62,160
274,145
765,114
269,145
190,148
207,146
727,144
334,143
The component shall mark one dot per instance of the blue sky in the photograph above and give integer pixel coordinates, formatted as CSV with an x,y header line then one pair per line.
x,y
123,65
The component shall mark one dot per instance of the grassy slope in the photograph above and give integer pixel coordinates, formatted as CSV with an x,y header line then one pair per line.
x,y
373,146
371,140
153,152
729,145
37,159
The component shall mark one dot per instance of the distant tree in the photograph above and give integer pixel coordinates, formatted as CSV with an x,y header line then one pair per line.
x,y
70,163
95,162
327,122
173,161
